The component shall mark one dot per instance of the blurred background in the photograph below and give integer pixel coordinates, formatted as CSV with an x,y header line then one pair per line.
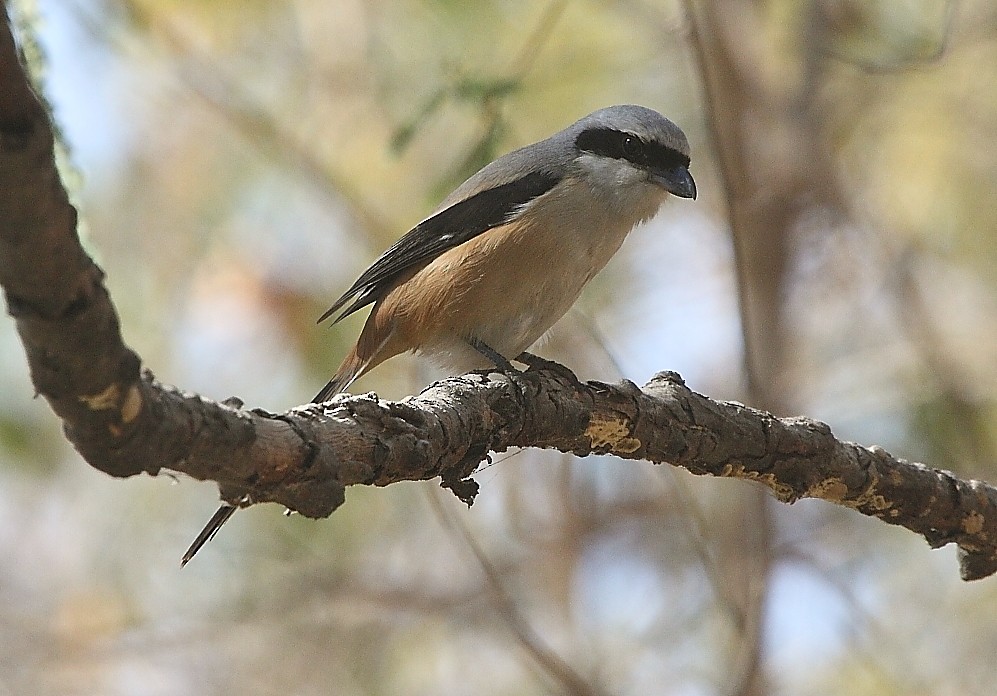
x,y
237,164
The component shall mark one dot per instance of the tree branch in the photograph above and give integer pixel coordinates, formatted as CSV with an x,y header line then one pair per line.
x,y
124,423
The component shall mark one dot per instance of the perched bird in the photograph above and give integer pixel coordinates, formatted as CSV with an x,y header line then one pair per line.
x,y
509,251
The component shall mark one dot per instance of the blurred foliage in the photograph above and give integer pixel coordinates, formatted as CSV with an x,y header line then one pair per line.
x,y
243,161
889,34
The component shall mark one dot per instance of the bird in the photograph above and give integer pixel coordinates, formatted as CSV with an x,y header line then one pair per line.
x,y
509,251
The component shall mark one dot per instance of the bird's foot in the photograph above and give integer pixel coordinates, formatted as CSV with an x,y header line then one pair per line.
x,y
535,362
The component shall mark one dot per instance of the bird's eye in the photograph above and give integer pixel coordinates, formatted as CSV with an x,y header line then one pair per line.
x,y
631,147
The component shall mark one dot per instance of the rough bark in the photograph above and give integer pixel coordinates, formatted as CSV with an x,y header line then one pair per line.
x,y
123,422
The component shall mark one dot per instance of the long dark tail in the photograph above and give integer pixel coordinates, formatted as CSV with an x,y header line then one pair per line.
x,y
352,367
210,529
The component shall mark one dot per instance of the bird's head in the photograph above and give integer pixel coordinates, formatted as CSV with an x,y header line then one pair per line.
x,y
629,144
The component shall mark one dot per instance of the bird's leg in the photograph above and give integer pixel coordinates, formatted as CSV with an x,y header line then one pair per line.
x,y
497,358
500,361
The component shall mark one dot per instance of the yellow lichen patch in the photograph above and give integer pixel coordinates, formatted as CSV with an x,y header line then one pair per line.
x,y
835,490
612,431
783,492
132,406
104,400
869,499
831,489
972,523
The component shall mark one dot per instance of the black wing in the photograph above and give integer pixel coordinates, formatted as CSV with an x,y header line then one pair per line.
x,y
448,228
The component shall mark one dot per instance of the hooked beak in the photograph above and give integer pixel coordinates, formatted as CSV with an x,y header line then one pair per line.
x,y
677,181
